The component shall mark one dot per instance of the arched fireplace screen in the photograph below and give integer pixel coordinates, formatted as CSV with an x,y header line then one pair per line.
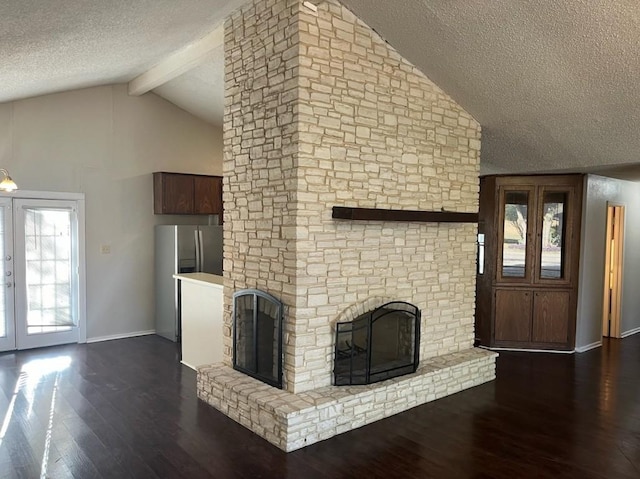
x,y
378,345
257,336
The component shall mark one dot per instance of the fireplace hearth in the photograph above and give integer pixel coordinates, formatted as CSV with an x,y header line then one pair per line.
x,y
257,336
378,345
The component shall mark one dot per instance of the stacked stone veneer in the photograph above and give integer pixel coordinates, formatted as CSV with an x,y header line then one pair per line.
x,y
291,421
320,111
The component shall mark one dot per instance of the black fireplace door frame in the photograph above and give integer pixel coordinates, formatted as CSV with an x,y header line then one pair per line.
x,y
366,321
256,293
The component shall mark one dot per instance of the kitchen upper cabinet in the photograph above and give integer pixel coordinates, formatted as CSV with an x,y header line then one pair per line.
x,y
184,194
526,289
172,194
207,195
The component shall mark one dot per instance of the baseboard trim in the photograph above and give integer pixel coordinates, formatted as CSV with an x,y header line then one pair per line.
x,y
111,337
189,365
588,347
631,332
555,351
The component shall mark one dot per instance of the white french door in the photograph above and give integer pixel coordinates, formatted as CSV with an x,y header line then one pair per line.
x,y
7,322
41,287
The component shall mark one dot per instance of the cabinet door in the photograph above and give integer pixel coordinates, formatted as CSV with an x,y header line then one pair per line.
x,y
554,239
551,317
516,223
173,194
512,315
208,195
218,206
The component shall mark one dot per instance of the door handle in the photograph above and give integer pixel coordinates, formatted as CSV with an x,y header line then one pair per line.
x,y
201,246
8,273
198,257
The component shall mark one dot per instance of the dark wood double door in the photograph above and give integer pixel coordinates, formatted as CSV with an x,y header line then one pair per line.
x,y
527,285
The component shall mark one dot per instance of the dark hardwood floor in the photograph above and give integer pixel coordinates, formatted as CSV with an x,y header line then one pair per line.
x,y
127,408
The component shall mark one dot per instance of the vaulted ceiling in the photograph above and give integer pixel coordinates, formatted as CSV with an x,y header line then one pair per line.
x,y
554,83
48,46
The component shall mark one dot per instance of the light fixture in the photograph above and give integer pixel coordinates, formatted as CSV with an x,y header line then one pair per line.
x,y
7,184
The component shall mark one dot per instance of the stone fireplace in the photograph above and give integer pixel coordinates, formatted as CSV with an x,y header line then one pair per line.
x,y
320,112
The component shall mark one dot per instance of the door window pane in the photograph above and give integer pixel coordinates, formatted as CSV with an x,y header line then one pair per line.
x,y
48,246
553,235
514,248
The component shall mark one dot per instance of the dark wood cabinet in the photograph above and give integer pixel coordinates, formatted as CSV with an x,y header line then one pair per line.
x,y
513,315
172,194
527,284
550,313
185,194
207,193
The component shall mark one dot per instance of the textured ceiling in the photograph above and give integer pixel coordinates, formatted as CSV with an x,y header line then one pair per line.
x,y
54,45
555,84
200,91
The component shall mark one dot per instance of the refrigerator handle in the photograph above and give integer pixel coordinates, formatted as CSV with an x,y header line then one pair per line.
x,y
196,238
201,244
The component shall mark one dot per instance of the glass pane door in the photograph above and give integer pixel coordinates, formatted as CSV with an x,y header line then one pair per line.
x,y
514,234
554,226
7,329
46,266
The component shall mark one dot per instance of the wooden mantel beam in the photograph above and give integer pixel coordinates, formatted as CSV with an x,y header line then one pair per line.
x,y
378,214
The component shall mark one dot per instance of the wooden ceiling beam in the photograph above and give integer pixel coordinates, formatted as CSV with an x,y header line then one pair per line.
x,y
177,63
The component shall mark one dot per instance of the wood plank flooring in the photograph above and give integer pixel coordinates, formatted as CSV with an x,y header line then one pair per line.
x,y
128,409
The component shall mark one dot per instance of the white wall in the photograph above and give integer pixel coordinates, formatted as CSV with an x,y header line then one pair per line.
x,y
598,191
101,142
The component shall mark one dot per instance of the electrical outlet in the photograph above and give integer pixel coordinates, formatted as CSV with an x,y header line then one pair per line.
x,y
105,249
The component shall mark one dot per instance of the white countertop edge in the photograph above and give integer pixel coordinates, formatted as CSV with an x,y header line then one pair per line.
x,y
202,278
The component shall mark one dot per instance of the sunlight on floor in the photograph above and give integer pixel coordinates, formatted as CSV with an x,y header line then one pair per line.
x,y
7,417
31,375
40,369
47,441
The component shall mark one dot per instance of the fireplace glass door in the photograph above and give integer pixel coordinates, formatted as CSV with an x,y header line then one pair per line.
x,y
378,345
257,336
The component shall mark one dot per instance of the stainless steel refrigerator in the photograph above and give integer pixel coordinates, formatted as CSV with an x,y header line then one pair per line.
x,y
181,249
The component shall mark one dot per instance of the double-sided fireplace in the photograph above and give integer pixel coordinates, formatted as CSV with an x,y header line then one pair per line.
x,y
377,345
378,348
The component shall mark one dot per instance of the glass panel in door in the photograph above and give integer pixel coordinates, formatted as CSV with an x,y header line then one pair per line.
x,y
46,266
514,237
553,234
7,329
